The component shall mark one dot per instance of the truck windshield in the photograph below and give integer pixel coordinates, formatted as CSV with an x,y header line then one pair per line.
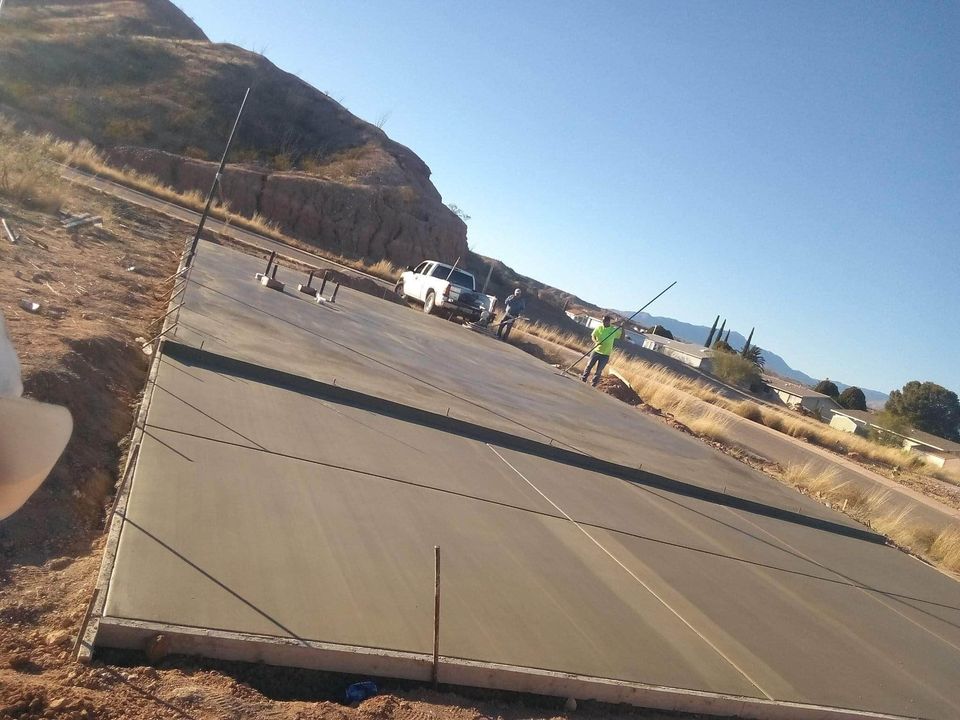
x,y
459,278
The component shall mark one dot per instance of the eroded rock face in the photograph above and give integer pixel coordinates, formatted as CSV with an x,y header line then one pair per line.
x,y
401,223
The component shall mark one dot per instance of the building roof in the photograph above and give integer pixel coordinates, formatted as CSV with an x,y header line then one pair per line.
x,y
862,415
918,436
937,443
794,389
679,346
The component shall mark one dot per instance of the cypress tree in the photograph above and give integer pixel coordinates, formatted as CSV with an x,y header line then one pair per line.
x,y
712,331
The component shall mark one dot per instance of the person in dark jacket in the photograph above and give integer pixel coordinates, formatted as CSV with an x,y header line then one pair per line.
x,y
513,308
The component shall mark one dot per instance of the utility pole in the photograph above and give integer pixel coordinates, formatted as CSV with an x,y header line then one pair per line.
x,y
216,182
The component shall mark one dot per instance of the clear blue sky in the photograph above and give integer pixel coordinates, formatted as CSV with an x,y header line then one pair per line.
x,y
795,166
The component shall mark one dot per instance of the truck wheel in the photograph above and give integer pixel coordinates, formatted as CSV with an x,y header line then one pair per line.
x,y
399,288
429,305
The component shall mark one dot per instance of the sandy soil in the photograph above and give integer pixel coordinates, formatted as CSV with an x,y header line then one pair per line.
x,y
98,294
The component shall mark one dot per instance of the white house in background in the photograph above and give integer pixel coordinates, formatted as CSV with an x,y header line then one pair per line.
x,y
590,322
934,450
796,396
696,356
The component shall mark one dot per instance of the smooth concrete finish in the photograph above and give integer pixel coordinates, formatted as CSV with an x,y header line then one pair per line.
x,y
303,512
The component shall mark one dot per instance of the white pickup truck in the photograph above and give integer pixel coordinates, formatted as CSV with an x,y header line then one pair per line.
x,y
444,289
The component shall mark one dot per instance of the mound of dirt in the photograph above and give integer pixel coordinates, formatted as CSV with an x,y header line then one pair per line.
x,y
613,385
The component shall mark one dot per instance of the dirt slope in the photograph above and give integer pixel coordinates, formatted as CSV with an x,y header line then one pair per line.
x,y
139,79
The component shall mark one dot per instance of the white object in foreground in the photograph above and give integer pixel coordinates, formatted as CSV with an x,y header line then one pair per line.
x,y
32,437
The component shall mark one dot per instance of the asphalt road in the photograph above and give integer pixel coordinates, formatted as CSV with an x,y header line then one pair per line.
x,y
297,471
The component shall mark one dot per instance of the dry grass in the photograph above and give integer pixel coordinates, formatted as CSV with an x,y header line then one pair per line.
x,y
384,269
945,548
27,175
662,388
557,337
939,546
694,404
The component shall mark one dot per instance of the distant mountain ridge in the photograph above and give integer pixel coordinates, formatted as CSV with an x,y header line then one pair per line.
x,y
774,363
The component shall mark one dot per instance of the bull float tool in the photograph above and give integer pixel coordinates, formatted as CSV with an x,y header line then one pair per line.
x,y
620,326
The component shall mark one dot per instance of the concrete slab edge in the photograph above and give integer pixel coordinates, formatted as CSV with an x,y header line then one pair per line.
x,y
289,652
88,632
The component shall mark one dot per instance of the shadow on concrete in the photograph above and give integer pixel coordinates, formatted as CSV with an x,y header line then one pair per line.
x,y
352,398
226,588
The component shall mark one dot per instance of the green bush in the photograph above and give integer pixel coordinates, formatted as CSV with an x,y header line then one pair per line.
x,y
735,369
853,399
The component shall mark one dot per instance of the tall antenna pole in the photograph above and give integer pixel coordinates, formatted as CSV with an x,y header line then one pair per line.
x,y
216,181
621,325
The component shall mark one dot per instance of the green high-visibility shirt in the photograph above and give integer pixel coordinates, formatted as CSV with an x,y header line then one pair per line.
x,y
603,338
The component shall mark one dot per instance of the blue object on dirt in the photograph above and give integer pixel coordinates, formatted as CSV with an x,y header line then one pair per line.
x,y
358,692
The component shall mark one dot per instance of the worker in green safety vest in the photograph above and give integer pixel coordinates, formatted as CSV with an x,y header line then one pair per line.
x,y
603,338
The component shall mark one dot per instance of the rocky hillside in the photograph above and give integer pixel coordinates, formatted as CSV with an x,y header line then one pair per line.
x,y
141,81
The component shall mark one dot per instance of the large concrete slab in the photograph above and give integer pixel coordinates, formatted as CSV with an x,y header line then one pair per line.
x,y
295,474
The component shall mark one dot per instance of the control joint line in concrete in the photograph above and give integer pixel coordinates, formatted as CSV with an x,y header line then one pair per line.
x,y
636,577
387,365
256,447
865,589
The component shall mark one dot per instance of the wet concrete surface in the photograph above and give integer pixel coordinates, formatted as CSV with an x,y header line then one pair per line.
x,y
267,505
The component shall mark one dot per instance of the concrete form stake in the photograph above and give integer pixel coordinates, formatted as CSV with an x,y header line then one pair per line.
x,y
310,279
336,289
324,283
436,614
274,274
273,255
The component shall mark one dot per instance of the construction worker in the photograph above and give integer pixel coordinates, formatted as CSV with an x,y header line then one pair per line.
x,y
603,338
513,308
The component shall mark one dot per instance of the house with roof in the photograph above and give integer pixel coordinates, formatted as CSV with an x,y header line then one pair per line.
x,y
696,356
800,396
934,450
590,322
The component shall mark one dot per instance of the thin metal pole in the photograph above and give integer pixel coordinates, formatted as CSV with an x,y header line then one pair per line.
x,y
336,289
487,281
324,283
273,256
436,614
216,180
456,262
575,362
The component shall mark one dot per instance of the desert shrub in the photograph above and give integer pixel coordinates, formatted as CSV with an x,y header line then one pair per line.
x,y
749,410
735,369
26,176
827,387
195,152
853,399
282,161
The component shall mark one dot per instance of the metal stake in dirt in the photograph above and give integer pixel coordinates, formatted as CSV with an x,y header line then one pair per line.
x,y
575,362
324,283
273,256
216,181
436,614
